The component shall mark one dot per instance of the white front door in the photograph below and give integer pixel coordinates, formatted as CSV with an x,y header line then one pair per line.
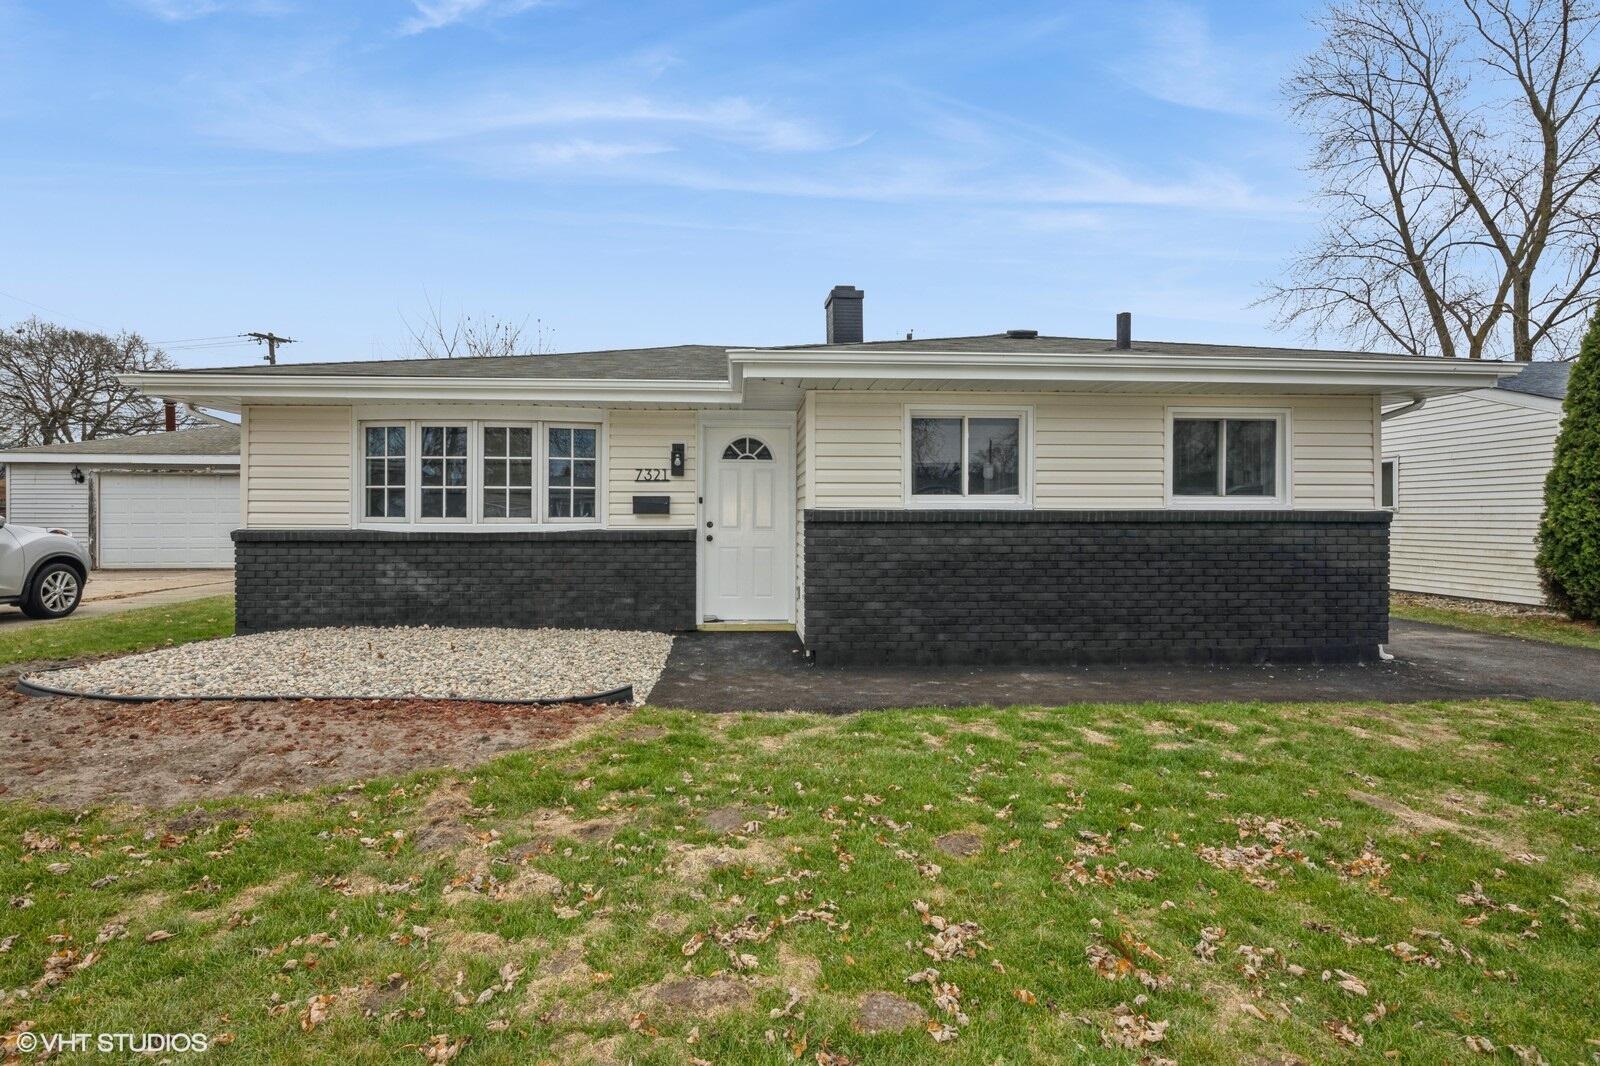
x,y
747,525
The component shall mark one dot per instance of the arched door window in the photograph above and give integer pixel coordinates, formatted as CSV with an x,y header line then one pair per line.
x,y
747,448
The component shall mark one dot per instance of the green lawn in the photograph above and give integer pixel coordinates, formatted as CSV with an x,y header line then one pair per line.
x,y
129,631
1204,883
1530,627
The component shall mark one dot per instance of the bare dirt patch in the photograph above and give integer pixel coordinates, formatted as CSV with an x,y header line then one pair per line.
x,y
694,864
1404,733
885,1012
1097,738
727,819
960,845
699,997
1506,842
76,753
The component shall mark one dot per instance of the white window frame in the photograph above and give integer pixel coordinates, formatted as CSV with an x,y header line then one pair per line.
x,y
1024,498
540,421
482,487
544,474
360,451
416,474
1389,460
1284,497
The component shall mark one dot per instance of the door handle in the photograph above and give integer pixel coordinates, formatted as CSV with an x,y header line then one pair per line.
x,y
710,537
710,524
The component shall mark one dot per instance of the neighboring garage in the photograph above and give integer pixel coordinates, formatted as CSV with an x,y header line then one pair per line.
x,y
161,500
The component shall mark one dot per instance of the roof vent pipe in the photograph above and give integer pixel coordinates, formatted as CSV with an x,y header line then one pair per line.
x,y
843,308
1124,330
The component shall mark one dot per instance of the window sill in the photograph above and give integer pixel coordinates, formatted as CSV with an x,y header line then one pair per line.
x,y
476,527
1228,503
969,503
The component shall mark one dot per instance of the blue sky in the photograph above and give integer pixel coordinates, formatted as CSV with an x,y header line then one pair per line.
x,y
639,173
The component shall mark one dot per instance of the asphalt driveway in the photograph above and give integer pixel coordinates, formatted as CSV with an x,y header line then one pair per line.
x,y
112,591
766,671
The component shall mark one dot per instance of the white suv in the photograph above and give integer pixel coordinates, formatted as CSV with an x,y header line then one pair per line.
x,y
43,571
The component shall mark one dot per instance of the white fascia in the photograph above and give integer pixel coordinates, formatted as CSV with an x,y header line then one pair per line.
x,y
107,459
1396,373
234,390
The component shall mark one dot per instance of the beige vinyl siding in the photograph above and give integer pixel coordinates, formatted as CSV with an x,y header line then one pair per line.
x,y
644,439
44,494
296,466
1090,451
1471,491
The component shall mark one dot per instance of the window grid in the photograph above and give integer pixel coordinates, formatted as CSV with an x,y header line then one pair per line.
x,y
384,475
509,455
450,476
572,459
443,464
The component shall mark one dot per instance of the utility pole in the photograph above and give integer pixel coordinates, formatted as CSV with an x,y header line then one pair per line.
x,y
272,340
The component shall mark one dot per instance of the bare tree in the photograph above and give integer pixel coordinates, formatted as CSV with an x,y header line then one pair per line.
x,y
60,385
434,336
1457,143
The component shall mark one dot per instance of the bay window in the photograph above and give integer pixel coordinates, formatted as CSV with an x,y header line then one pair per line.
x,y
971,459
432,471
1232,458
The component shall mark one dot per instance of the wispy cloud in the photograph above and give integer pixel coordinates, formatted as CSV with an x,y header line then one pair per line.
x,y
1183,61
186,10
437,14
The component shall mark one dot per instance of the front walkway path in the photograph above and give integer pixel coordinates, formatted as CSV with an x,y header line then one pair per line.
x,y
766,671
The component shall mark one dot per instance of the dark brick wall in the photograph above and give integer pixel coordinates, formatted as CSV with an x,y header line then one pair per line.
x,y
1096,586
614,579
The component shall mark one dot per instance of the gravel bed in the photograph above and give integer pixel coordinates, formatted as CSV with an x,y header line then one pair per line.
x,y
393,662
1489,608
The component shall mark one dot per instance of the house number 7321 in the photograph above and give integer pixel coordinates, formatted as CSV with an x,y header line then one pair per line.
x,y
649,473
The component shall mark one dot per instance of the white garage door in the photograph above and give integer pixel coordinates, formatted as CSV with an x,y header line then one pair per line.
x,y
160,520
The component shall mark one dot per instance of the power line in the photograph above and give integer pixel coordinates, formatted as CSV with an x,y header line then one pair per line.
x,y
48,310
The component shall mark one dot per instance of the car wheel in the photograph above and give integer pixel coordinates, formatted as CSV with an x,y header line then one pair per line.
x,y
55,592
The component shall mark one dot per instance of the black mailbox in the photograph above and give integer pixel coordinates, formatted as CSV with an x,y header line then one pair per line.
x,y
652,505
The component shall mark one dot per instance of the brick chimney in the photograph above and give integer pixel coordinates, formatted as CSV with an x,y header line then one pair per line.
x,y
1124,329
843,307
171,410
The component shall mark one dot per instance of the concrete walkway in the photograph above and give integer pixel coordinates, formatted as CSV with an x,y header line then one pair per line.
x,y
114,591
766,671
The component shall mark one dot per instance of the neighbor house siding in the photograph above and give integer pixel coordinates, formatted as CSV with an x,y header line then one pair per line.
x,y
643,440
1090,450
44,494
296,467
1471,491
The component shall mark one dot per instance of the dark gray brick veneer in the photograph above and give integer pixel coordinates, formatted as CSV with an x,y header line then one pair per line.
x,y
617,579
1096,586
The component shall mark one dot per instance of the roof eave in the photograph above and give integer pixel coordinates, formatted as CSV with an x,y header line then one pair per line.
x,y
1378,373
111,459
235,390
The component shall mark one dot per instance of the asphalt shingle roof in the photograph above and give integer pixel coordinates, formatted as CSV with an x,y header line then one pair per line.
x,y
1540,379
709,362
207,440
